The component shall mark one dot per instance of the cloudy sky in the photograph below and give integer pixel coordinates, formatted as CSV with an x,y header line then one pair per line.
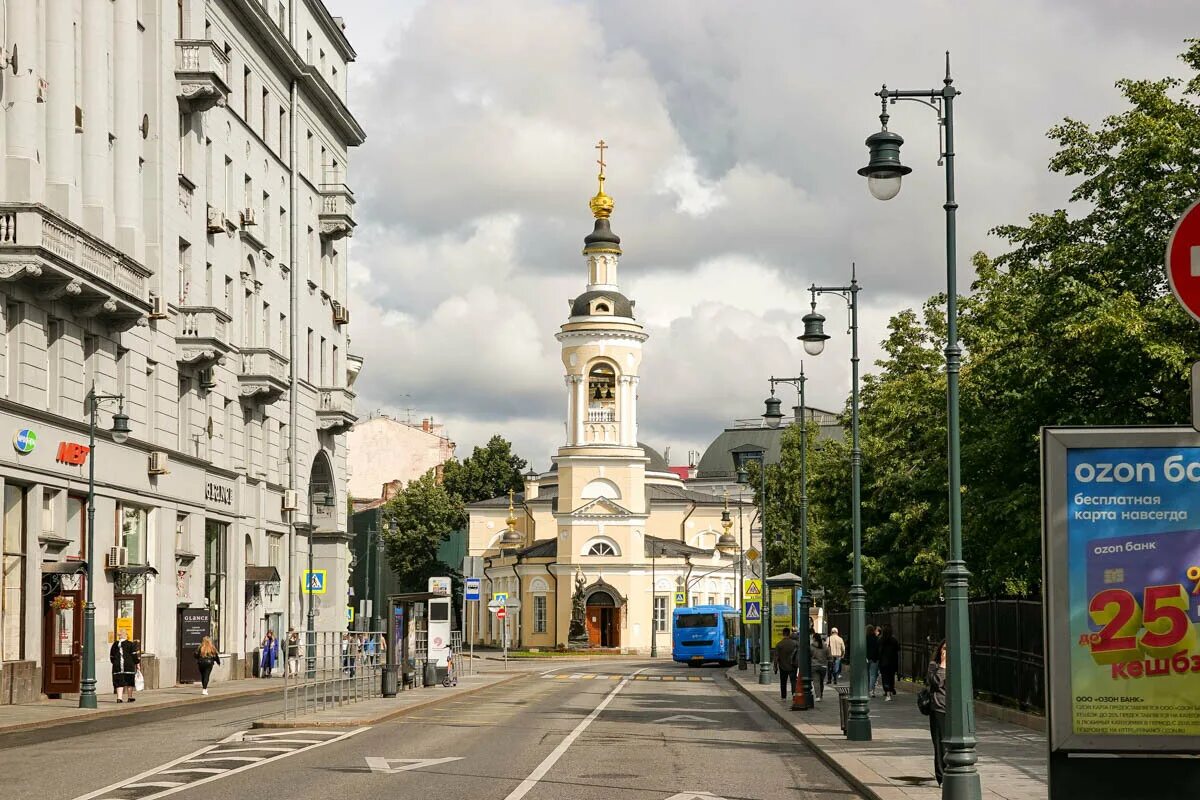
x,y
735,132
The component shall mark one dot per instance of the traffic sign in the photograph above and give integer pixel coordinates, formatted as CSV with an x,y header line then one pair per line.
x,y
313,581
752,554
680,599
752,589
501,612
349,615
501,598
494,606
752,611
472,586
1183,260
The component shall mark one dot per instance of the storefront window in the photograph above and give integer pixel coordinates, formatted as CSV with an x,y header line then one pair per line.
x,y
133,533
214,574
12,607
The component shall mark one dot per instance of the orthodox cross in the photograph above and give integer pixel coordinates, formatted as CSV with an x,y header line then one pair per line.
x,y
601,147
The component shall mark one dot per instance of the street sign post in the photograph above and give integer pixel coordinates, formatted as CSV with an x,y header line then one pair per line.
x,y
1183,261
680,599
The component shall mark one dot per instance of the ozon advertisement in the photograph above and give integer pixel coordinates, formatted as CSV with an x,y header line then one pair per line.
x,y
1131,605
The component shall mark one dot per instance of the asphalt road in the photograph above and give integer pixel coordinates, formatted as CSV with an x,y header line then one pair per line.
x,y
620,731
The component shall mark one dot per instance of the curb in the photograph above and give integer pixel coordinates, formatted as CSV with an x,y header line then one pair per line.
x,y
828,759
100,716
384,717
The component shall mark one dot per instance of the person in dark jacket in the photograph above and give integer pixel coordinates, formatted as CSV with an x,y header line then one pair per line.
x,y
872,658
819,658
889,662
269,655
935,681
785,662
123,656
206,657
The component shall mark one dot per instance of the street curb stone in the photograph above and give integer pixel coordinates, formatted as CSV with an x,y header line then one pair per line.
x,y
397,712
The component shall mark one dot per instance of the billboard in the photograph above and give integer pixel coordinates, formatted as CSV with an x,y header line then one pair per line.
x,y
1121,561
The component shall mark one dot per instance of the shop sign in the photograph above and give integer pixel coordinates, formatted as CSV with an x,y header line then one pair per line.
x,y
71,453
218,493
24,441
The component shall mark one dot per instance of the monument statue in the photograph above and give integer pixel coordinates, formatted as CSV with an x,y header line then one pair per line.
x,y
577,636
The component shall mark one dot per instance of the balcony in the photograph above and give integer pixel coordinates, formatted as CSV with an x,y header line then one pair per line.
x,y
61,261
203,336
602,415
335,410
263,376
202,72
337,211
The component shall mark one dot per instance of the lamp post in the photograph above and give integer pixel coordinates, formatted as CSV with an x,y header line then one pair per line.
x,y
805,600
653,602
883,175
120,433
858,724
772,416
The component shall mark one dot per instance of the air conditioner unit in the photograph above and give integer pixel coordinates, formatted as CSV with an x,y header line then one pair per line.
x,y
158,307
216,220
291,499
247,217
118,557
158,463
341,314
208,378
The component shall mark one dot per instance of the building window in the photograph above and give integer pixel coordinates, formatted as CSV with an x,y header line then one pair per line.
x,y
185,412
151,401
246,94
539,613
214,574
660,614
602,549
12,594
321,375
266,324
185,145
181,542
309,363
185,271
132,535
228,187
284,344
266,111
283,133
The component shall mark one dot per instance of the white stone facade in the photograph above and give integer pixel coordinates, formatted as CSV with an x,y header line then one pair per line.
x,y
173,229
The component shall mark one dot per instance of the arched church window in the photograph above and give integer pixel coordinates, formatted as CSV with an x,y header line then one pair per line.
x,y
601,308
602,549
602,399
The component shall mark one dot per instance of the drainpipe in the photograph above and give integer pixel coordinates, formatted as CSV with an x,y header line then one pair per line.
x,y
520,608
555,579
293,318
683,525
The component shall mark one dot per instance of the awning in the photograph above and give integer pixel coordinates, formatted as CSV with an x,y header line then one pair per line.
x,y
134,569
64,567
262,575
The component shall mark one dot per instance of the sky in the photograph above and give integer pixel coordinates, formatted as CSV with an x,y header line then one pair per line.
x,y
734,132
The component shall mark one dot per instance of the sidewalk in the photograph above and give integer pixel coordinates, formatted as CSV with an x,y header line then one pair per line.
x,y
66,711
897,764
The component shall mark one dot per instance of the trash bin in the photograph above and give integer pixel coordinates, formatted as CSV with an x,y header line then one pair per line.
x,y
430,676
255,661
390,680
843,693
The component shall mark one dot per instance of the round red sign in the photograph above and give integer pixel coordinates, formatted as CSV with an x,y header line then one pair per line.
x,y
1183,260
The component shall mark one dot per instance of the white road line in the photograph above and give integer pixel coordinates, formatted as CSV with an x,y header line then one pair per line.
x,y
227,758
213,770
541,769
152,784
99,794
276,749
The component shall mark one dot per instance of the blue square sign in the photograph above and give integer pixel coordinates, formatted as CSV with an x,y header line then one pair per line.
x,y
472,588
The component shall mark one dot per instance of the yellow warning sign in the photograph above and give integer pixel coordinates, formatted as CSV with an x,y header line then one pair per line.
x,y
752,589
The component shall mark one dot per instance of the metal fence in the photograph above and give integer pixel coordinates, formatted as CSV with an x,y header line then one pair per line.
x,y
334,668
1006,645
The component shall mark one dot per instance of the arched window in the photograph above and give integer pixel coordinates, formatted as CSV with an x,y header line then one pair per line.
x,y
602,397
602,549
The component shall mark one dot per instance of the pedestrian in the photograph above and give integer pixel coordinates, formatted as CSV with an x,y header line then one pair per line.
x,y
872,658
785,662
935,681
293,650
889,662
269,655
837,651
123,656
206,657
818,656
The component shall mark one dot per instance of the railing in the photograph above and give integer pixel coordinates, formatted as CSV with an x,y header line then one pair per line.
x,y
332,669
336,400
29,226
201,55
203,322
602,415
263,361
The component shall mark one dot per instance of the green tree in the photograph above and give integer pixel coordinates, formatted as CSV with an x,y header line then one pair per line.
x,y
416,522
489,471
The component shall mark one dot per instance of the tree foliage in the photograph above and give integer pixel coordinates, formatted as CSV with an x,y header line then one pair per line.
x,y
1073,325
416,522
489,471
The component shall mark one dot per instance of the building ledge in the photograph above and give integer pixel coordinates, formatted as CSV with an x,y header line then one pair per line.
x,y
263,376
203,337
335,410
201,74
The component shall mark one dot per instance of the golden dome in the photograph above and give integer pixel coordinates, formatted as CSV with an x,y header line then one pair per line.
x,y
601,204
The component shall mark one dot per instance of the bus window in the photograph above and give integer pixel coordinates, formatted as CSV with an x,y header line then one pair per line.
x,y
696,621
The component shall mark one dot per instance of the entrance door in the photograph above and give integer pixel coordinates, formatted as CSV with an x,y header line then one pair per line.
x,y
62,628
603,620
610,627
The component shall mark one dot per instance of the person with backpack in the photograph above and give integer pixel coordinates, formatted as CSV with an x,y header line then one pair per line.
x,y
935,684
785,662
872,658
818,656
889,662
206,657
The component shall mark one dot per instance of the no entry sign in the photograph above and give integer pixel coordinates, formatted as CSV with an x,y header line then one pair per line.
x,y
1183,261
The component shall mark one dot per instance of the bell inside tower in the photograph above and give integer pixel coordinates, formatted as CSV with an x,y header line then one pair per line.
x,y
601,392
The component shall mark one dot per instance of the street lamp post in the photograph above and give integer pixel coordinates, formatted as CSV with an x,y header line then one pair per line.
x,y
858,724
120,433
772,417
653,602
883,175
805,665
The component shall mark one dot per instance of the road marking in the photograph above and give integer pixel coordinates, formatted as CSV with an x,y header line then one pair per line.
x,y
179,766
152,785
384,765
684,718
541,769
694,796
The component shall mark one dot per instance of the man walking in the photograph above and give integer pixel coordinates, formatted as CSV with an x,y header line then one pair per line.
x,y
837,651
873,634
785,662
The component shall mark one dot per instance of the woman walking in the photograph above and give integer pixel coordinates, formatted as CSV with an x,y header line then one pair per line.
x,y
873,634
124,659
889,662
293,650
206,657
935,681
818,655
269,655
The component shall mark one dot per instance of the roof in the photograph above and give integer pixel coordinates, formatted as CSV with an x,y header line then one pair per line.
x,y
671,548
621,305
261,574
669,494
545,548
602,237
718,459
657,462
545,493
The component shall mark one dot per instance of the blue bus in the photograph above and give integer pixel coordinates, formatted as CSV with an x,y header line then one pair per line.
x,y
703,634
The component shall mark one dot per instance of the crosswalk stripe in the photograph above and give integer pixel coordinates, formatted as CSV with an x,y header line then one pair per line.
x,y
226,758
152,785
213,770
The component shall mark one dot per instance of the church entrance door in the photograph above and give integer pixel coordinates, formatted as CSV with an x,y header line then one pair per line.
x,y
603,620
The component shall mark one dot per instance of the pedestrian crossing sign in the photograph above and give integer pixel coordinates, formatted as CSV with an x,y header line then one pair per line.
x,y
312,581
752,611
680,599
752,589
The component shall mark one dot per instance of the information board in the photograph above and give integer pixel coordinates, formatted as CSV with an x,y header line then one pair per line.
x,y
781,612
1122,560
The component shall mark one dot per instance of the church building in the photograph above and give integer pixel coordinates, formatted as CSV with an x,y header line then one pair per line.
x,y
609,514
